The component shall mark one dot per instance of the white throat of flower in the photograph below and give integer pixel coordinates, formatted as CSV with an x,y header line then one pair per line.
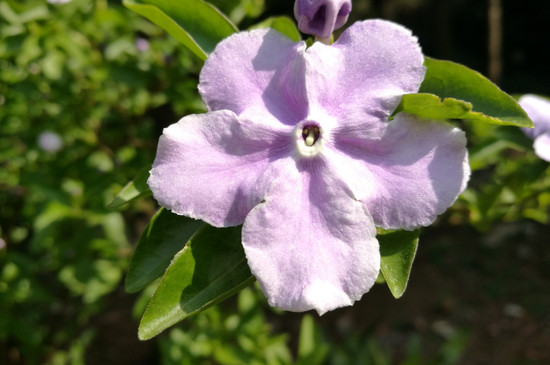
x,y
309,139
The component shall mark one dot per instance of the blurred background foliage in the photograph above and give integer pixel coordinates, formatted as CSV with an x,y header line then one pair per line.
x,y
85,90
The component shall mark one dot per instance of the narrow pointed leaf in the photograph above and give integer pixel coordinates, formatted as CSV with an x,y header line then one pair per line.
x,y
486,153
459,92
489,151
283,24
210,268
196,24
135,189
165,235
397,249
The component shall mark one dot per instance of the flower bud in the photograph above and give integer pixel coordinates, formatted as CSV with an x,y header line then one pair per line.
x,y
321,17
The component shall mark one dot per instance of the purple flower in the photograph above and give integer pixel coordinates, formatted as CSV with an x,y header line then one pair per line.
x,y
50,141
321,17
538,110
297,147
142,44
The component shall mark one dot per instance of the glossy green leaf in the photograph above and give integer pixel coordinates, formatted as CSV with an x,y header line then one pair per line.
x,y
282,24
459,92
397,249
165,235
196,24
210,268
135,189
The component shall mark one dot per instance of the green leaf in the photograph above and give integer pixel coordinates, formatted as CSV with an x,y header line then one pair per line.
x,y
210,268
196,24
432,107
135,189
397,249
165,235
283,24
488,150
32,12
451,90
486,153
311,348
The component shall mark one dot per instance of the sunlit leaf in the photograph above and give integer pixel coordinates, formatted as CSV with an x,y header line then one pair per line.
x,y
451,90
282,24
165,235
195,23
135,189
432,107
397,249
210,268
32,12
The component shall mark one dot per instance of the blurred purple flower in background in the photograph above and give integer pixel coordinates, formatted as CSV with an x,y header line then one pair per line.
x,y
321,17
49,141
538,109
298,147
142,44
59,2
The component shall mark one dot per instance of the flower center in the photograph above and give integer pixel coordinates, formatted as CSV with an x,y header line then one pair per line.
x,y
310,134
309,139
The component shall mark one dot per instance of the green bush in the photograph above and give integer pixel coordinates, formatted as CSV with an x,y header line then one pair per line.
x,y
78,86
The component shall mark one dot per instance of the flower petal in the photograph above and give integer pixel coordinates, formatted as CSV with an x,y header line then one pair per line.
x,y
538,110
366,72
260,72
207,164
413,173
309,243
542,146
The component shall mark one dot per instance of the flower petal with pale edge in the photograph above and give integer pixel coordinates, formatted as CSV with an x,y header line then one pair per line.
x,y
542,146
309,243
365,72
207,165
258,73
408,176
538,110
